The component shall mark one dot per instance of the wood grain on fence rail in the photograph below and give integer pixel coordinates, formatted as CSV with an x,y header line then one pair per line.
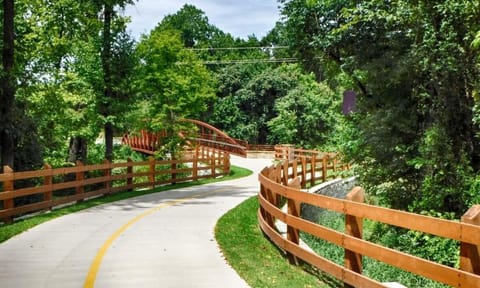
x,y
272,186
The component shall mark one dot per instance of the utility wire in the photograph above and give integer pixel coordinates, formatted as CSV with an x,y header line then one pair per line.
x,y
243,61
251,61
239,48
246,61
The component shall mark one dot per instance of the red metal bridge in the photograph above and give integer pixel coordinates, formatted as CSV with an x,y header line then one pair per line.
x,y
205,135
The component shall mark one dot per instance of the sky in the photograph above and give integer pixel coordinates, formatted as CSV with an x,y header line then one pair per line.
x,y
240,18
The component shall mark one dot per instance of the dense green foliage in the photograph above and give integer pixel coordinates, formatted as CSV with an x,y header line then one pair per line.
x,y
194,27
275,105
415,243
172,83
413,65
415,70
60,78
414,135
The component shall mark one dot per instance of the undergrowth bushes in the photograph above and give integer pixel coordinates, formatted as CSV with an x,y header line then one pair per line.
x,y
437,249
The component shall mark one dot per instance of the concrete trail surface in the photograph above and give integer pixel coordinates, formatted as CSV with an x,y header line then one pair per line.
x,y
159,240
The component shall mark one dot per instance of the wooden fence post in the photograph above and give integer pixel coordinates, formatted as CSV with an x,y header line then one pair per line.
x,y
108,173
271,197
313,170
324,168
129,172
304,171
226,162
293,234
290,152
295,170
173,178
80,176
285,172
278,152
470,253
8,185
48,181
212,162
195,164
334,163
263,192
354,227
151,176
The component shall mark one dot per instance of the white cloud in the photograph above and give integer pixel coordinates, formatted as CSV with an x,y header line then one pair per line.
x,y
239,18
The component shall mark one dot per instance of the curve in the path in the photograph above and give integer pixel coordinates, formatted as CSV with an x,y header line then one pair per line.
x,y
157,240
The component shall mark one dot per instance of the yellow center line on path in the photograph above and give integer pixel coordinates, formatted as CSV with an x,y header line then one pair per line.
x,y
97,261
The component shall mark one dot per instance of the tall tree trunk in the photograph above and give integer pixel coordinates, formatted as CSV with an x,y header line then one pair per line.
x,y
77,149
106,57
8,86
109,141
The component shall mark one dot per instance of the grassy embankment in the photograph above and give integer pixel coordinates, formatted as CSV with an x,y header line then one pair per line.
x,y
255,258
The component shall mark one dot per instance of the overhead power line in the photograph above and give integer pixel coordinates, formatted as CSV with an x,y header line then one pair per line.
x,y
239,48
251,61
268,49
246,61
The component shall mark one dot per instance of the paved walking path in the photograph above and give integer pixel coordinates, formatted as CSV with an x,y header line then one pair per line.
x,y
158,240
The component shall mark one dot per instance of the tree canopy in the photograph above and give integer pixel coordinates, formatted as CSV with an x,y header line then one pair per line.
x,y
415,70
413,65
275,105
172,82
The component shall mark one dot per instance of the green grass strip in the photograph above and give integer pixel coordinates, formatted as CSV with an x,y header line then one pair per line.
x,y
10,230
254,257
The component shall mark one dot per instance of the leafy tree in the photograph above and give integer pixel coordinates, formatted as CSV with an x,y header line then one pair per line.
x,y
17,132
8,86
415,71
225,112
306,115
52,38
273,105
111,29
257,100
172,82
196,31
59,65
232,78
210,43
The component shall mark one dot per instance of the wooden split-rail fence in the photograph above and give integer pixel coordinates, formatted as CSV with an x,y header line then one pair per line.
x,y
283,183
48,188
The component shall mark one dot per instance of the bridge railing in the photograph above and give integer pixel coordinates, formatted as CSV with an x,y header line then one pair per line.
x,y
289,152
220,142
144,142
48,188
282,184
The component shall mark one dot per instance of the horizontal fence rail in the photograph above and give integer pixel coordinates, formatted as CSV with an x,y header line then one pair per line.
x,y
221,143
32,191
289,152
283,183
